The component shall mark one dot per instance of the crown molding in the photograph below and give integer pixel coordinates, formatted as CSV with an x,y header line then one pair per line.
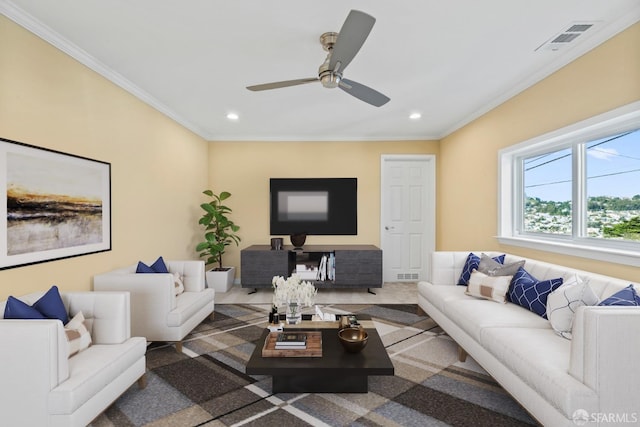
x,y
41,30
604,33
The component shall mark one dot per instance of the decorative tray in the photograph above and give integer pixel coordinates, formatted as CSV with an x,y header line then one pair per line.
x,y
314,346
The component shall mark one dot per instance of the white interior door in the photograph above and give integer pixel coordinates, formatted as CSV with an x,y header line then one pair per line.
x,y
407,217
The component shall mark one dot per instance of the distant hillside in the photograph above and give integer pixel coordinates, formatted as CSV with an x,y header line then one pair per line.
x,y
608,217
597,203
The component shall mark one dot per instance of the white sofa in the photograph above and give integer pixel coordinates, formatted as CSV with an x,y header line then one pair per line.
x,y
42,386
594,375
156,312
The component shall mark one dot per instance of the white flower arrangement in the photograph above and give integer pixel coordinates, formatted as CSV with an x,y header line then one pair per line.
x,y
293,289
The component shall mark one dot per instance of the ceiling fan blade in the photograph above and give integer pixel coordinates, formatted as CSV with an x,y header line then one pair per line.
x,y
363,93
354,32
287,83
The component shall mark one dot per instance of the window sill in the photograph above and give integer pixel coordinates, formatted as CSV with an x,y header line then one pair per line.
x,y
618,256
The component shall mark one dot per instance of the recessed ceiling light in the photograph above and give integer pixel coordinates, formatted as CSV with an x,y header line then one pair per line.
x,y
415,116
232,116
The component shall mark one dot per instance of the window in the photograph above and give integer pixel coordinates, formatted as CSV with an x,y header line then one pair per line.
x,y
547,187
613,187
576,190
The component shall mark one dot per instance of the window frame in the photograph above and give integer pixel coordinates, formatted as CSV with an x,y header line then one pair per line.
x,y
510,189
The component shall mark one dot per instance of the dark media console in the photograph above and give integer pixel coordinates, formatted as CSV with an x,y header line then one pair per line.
x,y
356,266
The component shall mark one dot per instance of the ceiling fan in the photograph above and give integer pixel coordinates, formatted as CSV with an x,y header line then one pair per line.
x,y
342,48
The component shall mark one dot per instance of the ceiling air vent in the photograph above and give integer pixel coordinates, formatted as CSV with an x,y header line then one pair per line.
x,y
566,37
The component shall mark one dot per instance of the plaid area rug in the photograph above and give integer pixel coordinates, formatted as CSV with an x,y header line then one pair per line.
x,y
206,385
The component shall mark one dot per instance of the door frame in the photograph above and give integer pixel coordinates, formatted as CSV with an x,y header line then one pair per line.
x,y
429,233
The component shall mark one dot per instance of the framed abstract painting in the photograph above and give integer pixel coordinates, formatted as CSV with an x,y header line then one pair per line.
x,y
56,205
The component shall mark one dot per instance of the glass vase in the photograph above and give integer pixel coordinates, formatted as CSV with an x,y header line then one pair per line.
x,y
293,314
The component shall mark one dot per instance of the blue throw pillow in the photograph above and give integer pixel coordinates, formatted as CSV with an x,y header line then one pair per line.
x,y
16,309
471,264
143,268
157,267
51,305
530,293
624,297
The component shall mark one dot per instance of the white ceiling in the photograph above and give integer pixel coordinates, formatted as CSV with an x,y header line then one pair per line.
x,y
451,60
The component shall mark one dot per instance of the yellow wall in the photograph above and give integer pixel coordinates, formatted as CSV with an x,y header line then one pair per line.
x,y
158,168
603,79
244,169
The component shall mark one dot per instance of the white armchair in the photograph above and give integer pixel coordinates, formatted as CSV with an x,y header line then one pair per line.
x,y
156,312
43,386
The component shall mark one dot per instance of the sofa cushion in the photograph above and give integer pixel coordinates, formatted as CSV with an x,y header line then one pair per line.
x,y
624,297
188,304
488,287
78,336
439,295
540,358
530,293
564,301
472,263
92,370
474,315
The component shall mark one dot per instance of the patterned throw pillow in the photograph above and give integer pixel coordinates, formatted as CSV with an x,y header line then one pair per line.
x,y
624,297
564,301
78,335
530,293
178,284
471,264
488,287
157,267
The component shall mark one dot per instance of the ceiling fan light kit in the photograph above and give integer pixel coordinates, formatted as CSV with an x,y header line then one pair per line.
x,y
342,48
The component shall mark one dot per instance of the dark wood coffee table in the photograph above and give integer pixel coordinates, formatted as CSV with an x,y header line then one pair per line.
x,y
335,372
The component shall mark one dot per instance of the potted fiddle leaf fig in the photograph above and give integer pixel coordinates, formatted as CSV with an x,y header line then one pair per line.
x,y
220,232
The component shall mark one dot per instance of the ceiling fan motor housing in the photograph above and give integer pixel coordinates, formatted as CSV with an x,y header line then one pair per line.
x,y
328,78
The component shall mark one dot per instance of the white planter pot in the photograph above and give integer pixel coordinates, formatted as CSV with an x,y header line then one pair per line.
x,y
220,281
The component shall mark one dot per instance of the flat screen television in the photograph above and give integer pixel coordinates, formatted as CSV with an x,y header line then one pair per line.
x,y
315,206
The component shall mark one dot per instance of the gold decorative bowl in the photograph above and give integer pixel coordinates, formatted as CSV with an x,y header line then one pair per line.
x,y
353,339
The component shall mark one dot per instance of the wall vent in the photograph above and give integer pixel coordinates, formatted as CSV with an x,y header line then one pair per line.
x,y
566,37
408,276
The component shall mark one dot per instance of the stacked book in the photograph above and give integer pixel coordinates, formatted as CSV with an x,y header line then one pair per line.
x,y
291,341
306,272
327,267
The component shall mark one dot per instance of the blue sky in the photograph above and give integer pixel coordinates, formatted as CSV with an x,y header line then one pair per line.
x,y
613,169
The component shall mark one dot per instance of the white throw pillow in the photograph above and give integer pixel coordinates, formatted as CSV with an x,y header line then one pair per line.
x,y
179,286
564,301
78,336
489,287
